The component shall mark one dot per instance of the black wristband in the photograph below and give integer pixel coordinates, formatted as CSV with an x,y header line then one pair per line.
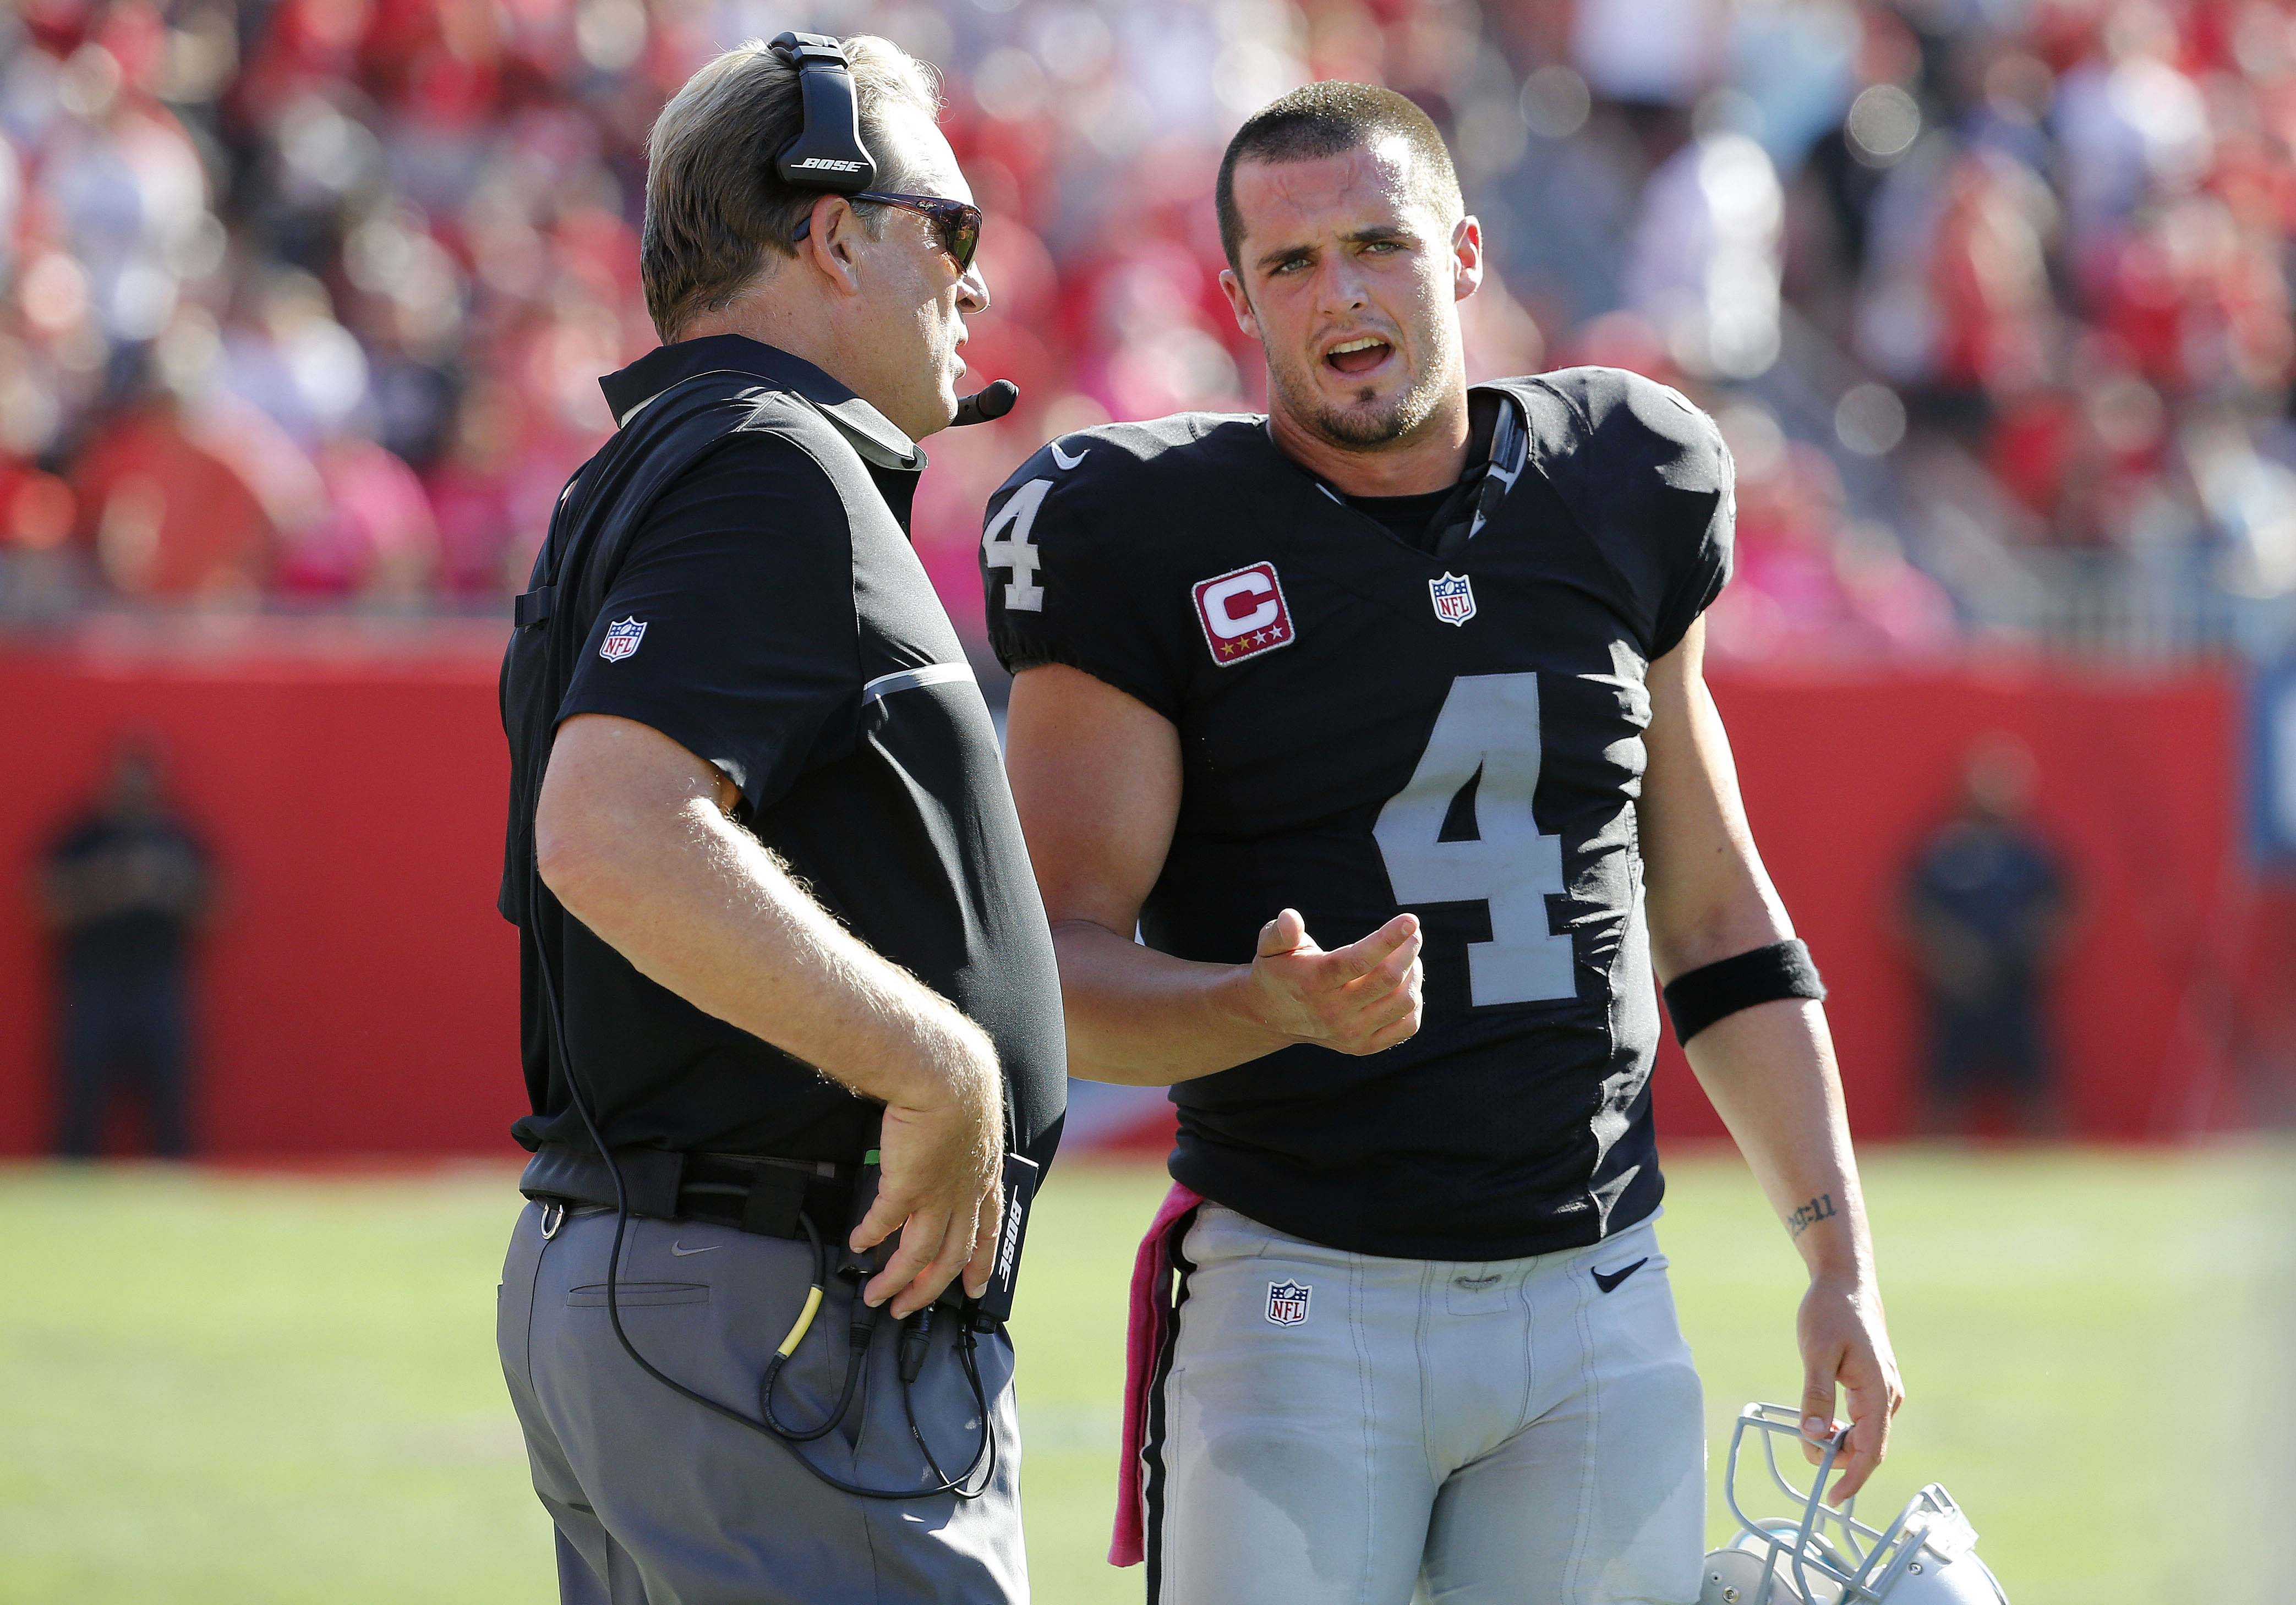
x,y
1697,998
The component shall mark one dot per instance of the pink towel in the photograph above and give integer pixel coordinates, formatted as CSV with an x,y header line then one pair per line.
x,y
1145,1333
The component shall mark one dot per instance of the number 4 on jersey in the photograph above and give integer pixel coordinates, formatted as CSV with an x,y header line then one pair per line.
x,y
1016,551
1487,736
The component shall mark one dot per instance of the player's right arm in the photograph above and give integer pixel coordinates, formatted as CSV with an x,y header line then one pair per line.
x,y
1095,773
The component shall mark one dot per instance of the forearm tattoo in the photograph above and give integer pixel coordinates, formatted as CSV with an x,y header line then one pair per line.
x,y
1818,1208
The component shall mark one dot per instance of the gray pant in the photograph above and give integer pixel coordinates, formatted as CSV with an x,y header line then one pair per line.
x,y
658,1501
1337,1429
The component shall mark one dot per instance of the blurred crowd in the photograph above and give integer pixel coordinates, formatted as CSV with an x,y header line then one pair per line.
x,y
306,299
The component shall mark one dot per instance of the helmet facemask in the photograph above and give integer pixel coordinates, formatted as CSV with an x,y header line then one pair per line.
x,y
1824,1556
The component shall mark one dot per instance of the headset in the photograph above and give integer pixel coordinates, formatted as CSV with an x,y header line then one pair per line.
x,y
828,155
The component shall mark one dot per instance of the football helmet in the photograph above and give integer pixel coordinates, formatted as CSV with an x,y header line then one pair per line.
x,y
1822,1556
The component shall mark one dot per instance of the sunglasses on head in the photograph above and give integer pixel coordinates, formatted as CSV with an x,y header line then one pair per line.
x,y
956,223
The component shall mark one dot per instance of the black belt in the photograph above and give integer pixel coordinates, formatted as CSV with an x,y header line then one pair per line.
x,y
750,1193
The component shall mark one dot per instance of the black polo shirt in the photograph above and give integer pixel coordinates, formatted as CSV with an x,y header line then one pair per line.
x,y
761,607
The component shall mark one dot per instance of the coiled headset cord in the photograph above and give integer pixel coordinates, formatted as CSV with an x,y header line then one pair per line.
x,y
863,1326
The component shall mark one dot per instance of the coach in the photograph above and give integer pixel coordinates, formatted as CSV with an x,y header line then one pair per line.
x,y
778,923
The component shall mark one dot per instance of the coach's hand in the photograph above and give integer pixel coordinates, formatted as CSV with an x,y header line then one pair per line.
x,y
1357,999
1845,1341
940,1159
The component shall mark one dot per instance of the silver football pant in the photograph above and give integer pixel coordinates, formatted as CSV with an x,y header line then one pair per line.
x,y
1336,1429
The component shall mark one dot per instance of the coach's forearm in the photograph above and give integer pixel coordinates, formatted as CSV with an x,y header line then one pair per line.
x,y
1143,1018
698,904
1770,1071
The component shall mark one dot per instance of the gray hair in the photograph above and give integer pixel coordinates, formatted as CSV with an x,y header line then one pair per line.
x,y
717,216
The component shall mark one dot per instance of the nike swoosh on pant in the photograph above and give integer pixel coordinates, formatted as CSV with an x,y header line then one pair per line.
x,y
1611,1282
713,1248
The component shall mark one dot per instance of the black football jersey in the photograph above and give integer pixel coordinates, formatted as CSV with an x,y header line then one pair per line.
x,y
1365,727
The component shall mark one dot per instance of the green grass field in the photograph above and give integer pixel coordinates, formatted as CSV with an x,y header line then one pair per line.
x,y
254,1389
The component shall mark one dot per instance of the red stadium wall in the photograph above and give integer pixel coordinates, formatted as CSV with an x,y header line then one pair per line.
x,y
357,989
1845,774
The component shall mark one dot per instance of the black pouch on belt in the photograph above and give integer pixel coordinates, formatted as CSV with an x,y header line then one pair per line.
x,y
993,1308
995,1304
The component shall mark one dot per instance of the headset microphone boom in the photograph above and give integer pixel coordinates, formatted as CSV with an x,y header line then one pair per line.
x,y
987,405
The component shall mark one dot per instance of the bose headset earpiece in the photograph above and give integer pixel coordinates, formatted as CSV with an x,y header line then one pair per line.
x,y
827,153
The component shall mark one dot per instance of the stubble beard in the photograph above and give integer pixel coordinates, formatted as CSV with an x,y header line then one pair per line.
x,y
1352,429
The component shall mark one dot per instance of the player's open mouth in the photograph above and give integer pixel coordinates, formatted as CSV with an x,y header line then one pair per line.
x,y
1359,355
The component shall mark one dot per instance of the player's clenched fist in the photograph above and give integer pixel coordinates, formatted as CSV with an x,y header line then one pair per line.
x,y
1357,999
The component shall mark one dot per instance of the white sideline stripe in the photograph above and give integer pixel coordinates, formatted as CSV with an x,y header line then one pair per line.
x,y
909,679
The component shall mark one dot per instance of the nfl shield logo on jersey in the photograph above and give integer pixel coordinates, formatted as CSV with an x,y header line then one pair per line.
x,y
1455,598
622,638
1287,1302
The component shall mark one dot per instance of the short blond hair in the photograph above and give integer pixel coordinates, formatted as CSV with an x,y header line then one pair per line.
x,y
717,213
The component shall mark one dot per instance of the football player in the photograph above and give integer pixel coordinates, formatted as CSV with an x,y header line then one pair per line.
x,y
1381,719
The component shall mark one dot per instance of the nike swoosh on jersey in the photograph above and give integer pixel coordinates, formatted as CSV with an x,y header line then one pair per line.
x,y
1064,460
682,1251
1607,1283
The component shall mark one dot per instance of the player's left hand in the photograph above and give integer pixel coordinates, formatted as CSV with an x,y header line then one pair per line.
x,y
1845,1341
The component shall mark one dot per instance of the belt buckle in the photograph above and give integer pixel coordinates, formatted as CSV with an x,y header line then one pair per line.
x,y
554,1216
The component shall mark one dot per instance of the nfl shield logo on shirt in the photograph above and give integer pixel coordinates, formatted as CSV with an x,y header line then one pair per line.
x,y
1287,1302
622,638
1455,598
